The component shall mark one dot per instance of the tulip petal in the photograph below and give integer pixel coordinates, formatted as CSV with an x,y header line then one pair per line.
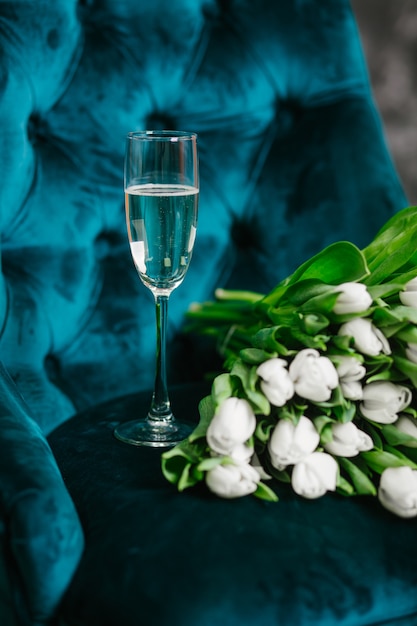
x,y
398,491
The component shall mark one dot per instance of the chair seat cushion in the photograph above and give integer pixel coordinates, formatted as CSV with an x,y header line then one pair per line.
x,y
154,556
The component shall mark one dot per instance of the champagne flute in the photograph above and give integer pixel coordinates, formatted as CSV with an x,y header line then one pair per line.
x,y
161,182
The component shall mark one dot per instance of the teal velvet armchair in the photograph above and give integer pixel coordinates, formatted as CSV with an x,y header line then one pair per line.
x,y
292,157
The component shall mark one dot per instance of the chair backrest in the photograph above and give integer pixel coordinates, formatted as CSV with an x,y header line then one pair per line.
x,y
292,157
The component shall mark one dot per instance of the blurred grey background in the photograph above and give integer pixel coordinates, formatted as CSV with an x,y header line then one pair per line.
x,y
388,31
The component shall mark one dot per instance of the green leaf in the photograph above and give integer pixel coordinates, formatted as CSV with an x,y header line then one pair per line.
x,y
272,298
396,314
323,425
378,460
395,437
304,290
406,367
402,456
188,478
258,401
317,341
362,483
255,356
344,487
399,222
263,430
177,462
338,263
314,323
323,303
222,388
387,289
209,463
408,333
343,344
266,339
265,493
345,411
393,246
373,432
206,409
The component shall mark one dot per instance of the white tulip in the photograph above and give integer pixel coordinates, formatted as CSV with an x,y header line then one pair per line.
x,y
314,376
353,298
241,453
350,371
349,368
289,444
408,297
383,400
367,338
315,475
411,352
398,491
276,383
348,440
232,481
352,391
232,425
408,426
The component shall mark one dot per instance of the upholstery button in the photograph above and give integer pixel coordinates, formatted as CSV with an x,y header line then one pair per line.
x,y
37,128
52,367
84,8
101,247
53,39
160,121
214,10
244,234
108,243
210,10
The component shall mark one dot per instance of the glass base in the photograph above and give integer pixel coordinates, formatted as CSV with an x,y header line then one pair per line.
x,y
155,433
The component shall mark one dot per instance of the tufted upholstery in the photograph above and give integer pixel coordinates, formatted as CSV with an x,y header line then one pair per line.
x,y
292,157
291,151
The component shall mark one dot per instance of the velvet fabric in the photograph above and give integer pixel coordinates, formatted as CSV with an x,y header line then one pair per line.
x,y
292,157
160,558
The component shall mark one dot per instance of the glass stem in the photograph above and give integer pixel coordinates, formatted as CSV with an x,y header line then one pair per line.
x,y
160,407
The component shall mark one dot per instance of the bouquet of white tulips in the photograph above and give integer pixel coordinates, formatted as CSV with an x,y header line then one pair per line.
x,y
319,388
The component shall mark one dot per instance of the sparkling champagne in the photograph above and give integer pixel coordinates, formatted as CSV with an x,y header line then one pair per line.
x,y
162,222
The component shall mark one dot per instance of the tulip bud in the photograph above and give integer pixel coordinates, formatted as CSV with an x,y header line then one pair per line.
x,y
348,440
349,368
290,443
232,481
276,383
411,352
408,297
367,338
232,425
350,371
315,475
398,491
353,298
314,376
383,400
408,426
241,453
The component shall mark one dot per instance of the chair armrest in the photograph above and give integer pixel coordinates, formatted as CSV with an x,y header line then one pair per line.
x,y
41,539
